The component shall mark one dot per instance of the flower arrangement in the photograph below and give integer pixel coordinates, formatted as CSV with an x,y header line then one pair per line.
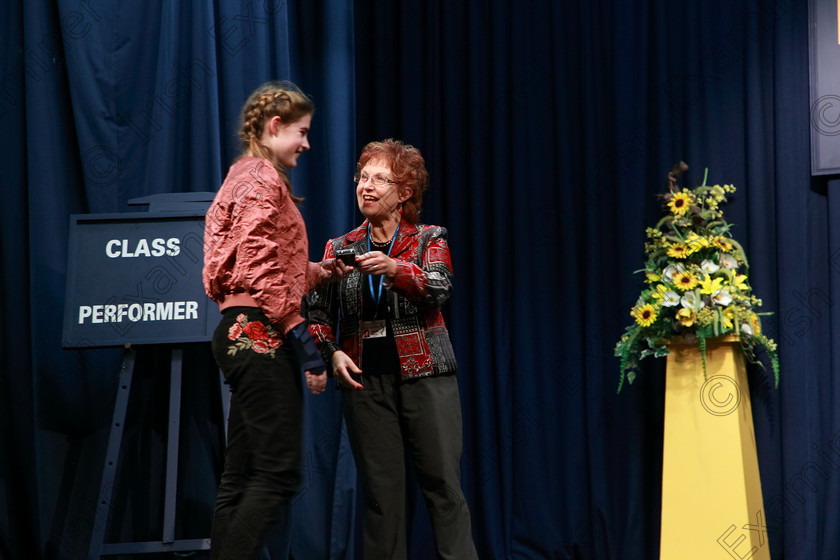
x,y
696,282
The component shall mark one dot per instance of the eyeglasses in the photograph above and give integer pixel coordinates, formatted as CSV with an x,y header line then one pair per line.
x,y
376,180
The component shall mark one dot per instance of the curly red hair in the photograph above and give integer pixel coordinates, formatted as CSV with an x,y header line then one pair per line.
x,y
408,168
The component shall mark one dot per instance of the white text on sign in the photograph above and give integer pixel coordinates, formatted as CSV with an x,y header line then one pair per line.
x,y
136,312
158,247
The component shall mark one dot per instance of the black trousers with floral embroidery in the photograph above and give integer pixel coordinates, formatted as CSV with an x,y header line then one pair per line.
x,y
262,460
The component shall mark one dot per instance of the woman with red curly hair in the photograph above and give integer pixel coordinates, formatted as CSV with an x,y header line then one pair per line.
x,y
393,358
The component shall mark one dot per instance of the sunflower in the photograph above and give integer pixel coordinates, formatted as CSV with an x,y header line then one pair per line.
x,y
685,281
644,315
678,251
724,244
680,203
693,282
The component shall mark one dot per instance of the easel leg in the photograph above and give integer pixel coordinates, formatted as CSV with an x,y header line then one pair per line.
x,y
97,547
106,488
173,442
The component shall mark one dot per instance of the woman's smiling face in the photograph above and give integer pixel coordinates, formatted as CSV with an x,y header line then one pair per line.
x,y
378,203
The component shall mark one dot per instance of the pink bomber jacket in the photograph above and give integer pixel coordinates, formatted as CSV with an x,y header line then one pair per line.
x,y
255,245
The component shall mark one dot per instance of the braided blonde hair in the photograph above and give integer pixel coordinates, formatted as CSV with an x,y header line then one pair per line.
x,y
283,99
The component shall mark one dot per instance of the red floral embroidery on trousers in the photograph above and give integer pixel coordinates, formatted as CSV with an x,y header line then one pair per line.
x,y
252,335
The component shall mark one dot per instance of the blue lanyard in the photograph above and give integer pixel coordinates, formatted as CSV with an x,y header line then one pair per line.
x,y
376,296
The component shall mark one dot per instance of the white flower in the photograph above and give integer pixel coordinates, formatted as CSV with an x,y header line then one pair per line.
x,y
670,270
722,297
670,298
691,301
709,267
729,261
745,328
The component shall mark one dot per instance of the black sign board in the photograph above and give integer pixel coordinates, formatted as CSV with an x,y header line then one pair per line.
x,y
135,278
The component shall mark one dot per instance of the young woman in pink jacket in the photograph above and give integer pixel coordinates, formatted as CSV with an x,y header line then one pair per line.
x,y
256,266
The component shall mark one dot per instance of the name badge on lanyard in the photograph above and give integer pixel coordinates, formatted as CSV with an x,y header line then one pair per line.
x,y
373,329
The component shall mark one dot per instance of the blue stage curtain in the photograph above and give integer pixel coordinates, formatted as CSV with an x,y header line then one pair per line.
x,y
548,129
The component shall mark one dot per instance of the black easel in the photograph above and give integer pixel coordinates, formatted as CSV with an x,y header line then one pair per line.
x,y
94,245
168,543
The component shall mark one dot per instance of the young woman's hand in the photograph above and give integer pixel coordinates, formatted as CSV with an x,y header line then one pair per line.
x,y
333,270
316,382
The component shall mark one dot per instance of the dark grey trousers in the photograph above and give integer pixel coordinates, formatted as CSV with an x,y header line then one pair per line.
x,y
422,416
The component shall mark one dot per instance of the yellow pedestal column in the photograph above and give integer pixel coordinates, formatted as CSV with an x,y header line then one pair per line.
x,y
712,506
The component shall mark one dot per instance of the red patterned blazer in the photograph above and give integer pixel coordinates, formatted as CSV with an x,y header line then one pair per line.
x,y
422,283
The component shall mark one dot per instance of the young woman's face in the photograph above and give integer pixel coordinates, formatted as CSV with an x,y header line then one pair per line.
x,y
378,202
287,141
